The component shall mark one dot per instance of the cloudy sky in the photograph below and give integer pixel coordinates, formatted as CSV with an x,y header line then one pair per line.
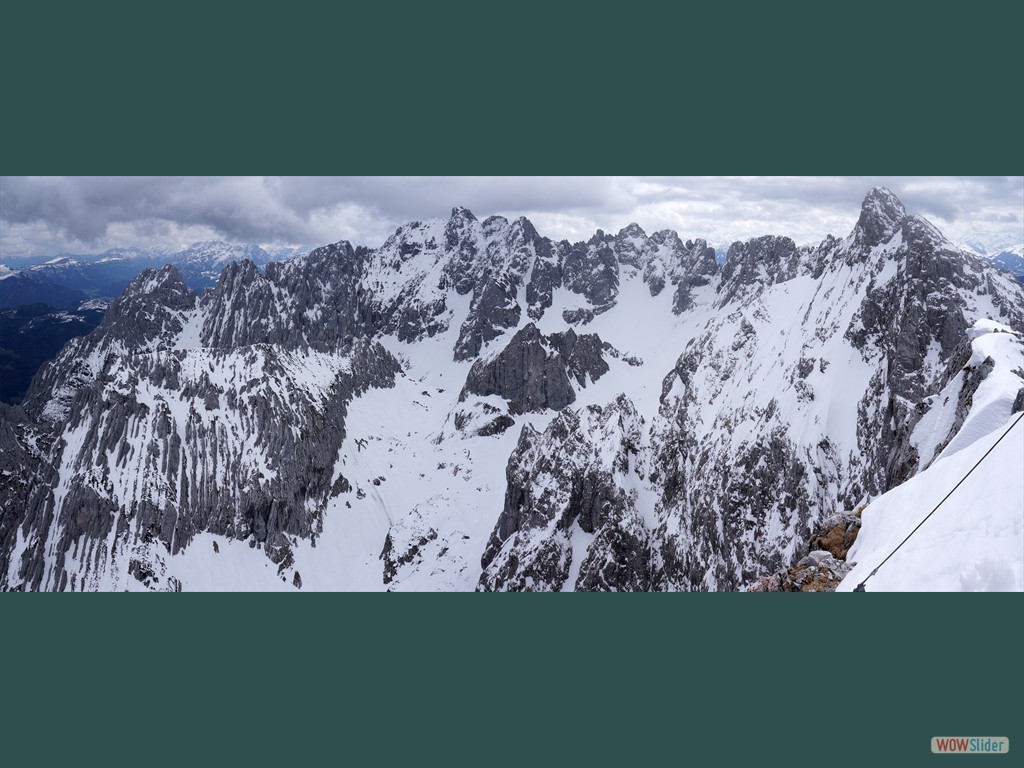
x,y
49,215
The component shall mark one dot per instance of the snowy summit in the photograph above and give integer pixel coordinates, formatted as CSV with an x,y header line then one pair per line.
x,y
474,406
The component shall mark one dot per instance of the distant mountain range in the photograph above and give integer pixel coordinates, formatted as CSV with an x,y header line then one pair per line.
x,y
473,405
43,305
67,279
31,334
1005,252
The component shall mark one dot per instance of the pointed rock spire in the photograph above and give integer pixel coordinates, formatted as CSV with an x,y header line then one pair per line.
x,y
163,285
460,212
633,230
881,216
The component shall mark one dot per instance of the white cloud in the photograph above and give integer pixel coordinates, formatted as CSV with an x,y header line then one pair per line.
x,y
43,216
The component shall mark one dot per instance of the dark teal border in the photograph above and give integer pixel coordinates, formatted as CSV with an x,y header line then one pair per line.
x,y
453,87
507,680
546,88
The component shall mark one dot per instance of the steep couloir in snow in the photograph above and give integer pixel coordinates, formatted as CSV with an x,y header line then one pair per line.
x,y
475,406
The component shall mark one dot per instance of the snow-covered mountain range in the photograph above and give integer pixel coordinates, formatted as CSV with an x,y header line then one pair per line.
x,y
1006,252
106,274
475,406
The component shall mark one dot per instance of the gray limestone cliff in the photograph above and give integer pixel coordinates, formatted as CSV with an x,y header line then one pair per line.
x,y
535,372
570,520
800,374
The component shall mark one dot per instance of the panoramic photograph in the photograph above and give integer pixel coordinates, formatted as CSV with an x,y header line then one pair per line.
x,y
557,384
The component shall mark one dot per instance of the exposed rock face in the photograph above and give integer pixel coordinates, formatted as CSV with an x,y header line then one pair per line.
x,y
533,371
483,420
412,535
741,483
696,267
525,373
918,320
1018,403
545,278
758,263
592,270
940,416
824,566
720,533
836,535
147,316
169,441
793,380
149,310
488,260
568,497
26,480
881,216
258,466
817,572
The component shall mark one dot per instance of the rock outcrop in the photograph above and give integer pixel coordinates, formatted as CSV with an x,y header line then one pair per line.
x,y
534,372
570,519
792,381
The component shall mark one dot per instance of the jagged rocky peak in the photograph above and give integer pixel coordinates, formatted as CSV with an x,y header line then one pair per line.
x,y
521,231
242,308
525,226
158,289
881,216
669,238
591,270
692,265
505,256
244,413
341,250
493,225
760,262
239,274
461,241
631,246
770,252
149,310
406,241
163,285
460,212
409,278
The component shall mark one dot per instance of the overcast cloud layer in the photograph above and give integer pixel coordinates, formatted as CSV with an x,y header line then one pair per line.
x,y
50,215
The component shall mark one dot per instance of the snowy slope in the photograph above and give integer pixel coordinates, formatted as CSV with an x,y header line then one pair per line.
x,y
974,541
475,406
